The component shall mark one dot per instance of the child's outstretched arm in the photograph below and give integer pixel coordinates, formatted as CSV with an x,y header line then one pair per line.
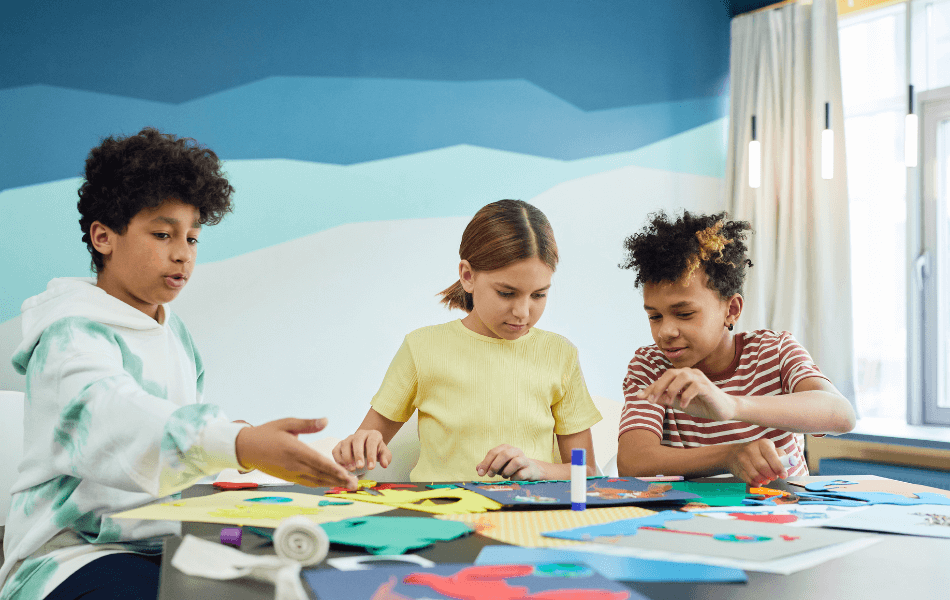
x,y
368,445
640,454
814,406
274,449
511,463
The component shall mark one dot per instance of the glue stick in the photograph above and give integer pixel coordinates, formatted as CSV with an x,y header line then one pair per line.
x,y
578,479
788,461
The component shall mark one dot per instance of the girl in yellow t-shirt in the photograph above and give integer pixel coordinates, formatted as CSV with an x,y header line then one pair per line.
x,y
493,393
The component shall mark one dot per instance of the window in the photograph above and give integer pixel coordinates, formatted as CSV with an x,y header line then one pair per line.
x,y
899,214
874,91
935,251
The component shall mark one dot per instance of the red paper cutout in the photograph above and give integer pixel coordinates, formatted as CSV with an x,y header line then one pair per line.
x,y
488,583
764,517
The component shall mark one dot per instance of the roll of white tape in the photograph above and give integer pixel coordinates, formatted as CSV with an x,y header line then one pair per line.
x,y
300,539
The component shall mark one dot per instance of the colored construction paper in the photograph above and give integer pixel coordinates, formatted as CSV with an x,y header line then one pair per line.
x,y
792,515
524,527
930,520
618,568
261,509
874,491
703,536
601,491
393,535
618,528
712,494
564,581
460,501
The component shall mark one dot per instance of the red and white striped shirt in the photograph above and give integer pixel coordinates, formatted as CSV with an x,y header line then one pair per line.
x,y
767,363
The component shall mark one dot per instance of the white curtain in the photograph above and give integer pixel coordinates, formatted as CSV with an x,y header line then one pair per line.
x,y
784,68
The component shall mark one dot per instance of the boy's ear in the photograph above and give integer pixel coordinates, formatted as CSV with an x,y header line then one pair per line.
x,y
735,308
102,237
467,276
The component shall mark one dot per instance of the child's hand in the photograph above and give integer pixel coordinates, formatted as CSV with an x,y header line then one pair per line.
x,y
365,444
510,463
691,391
757,463
274,449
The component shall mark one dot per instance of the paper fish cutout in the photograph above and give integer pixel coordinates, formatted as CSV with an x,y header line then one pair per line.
x,y
393,535
463,501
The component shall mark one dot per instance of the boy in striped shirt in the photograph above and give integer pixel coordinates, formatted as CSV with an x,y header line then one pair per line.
x,y
703,400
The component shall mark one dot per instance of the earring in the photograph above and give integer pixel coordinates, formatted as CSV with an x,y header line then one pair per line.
x,y
730,326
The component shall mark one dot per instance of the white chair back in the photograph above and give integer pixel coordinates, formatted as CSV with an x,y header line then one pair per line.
x,y
11,432
605,434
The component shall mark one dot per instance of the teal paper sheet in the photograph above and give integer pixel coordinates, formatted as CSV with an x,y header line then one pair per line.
x,y
393,535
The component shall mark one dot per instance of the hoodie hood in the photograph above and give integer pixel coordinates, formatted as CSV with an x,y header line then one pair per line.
x,y
76,297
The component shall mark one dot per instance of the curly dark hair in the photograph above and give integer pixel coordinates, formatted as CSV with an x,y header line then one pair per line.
x,y
667,250
127,174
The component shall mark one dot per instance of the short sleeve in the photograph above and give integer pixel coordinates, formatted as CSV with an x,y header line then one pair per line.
x,y
795,363
396,395
575,411
637,413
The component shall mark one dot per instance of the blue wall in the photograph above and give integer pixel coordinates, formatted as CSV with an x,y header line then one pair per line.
x,y
542,90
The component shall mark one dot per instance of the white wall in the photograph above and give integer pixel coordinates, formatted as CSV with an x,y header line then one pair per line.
x,y
307,328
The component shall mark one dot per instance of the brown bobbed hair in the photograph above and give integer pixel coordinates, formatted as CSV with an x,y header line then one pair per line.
x,y
499,234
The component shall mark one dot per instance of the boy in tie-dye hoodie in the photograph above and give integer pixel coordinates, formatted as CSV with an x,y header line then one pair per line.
x,y
114,416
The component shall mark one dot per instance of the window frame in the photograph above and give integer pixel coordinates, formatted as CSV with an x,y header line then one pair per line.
x,y
934,108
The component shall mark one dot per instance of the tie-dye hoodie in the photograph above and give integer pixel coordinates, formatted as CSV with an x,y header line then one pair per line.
x,y
113,420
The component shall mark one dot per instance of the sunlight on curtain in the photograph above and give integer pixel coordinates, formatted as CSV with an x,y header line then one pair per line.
x,y
784,66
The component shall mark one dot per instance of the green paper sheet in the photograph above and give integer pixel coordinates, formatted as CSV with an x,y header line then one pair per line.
x,y
393,535
713,494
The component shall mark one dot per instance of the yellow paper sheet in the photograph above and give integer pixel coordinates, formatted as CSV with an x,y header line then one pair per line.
x,y
524,528
251,508
466,501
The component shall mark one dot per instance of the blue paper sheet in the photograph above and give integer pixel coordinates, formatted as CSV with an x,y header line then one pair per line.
x,y
623,527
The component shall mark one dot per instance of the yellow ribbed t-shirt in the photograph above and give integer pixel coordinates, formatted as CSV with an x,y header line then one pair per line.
x,y
474,392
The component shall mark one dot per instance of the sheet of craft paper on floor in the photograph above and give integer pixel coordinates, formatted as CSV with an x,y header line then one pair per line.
x,y
393,535
601,491
791,515
524,528
620,568
704,536
923,519
260,509
488,582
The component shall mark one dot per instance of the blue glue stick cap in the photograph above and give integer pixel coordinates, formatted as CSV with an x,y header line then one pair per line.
x,y
578,456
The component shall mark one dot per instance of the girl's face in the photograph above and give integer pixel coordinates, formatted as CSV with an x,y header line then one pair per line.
x,y
689,323
507,301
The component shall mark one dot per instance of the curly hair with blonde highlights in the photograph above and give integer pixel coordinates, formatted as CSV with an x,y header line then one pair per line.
x,y
673,249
